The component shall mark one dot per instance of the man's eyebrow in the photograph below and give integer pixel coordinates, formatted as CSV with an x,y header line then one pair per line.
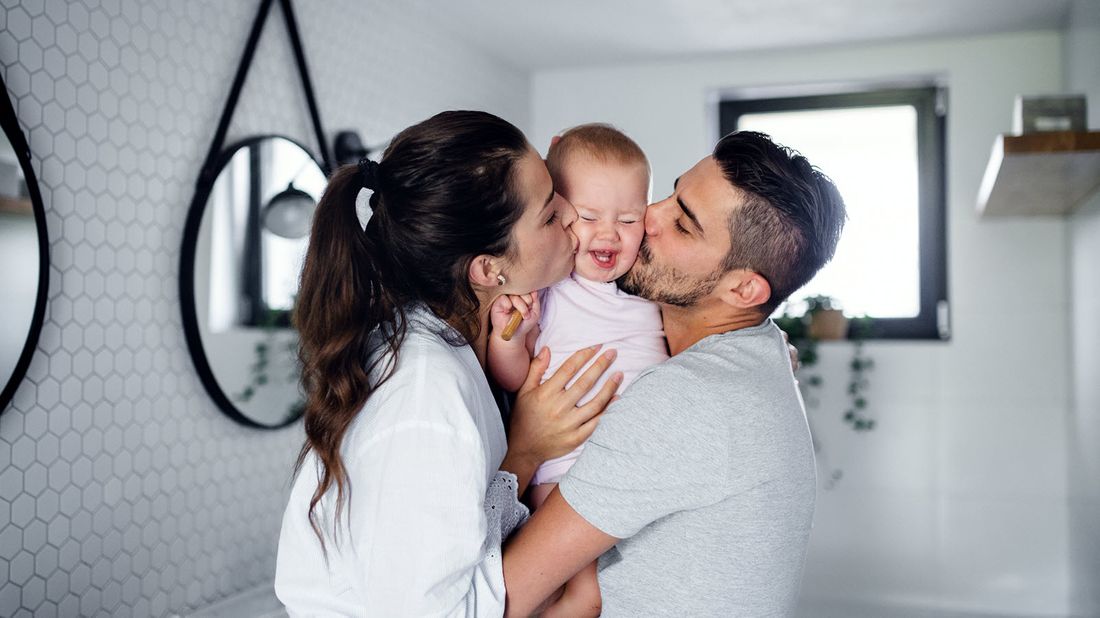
x,y
690,215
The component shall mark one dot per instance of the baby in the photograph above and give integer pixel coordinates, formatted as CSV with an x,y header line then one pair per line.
x,y
605,175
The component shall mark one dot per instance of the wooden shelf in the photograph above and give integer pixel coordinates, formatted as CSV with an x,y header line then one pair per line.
x,y
1040,173
16,206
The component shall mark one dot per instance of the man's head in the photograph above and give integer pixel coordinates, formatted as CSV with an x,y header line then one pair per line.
x,y
748,226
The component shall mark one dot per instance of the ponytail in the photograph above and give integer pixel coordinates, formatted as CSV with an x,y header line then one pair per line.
x,y
443,194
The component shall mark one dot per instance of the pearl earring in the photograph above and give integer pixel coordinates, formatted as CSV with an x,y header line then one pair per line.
x,y
501,280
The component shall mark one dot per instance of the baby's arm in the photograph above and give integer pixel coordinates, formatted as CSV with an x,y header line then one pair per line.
x,y
509,360
581,596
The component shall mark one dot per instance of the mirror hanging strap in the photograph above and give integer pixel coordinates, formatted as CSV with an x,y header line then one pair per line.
x,y
209,169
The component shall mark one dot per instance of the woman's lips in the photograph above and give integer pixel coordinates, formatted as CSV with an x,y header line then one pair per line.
x,y
604,259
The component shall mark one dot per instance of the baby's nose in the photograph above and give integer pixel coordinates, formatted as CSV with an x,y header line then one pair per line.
x,y
607,232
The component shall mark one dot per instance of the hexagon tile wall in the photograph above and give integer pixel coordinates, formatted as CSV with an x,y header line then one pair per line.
x,y
123,491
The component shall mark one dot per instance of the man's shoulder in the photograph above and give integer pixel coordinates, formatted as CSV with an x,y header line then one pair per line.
x,y
716,379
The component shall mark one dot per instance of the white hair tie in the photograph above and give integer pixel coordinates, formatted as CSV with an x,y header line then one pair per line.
x,y
363,211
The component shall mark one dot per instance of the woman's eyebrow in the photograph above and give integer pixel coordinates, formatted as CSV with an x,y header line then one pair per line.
x,y
549,199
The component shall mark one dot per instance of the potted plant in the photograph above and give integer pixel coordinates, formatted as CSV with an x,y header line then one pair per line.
x,y
826,320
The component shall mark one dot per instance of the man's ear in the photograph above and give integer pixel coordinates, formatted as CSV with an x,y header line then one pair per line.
x,y
744,289
483,271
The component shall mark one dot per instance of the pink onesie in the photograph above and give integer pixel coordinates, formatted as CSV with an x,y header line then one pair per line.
x,y
578,313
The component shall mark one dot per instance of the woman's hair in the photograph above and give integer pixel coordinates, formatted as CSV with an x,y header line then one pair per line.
x,y
445,193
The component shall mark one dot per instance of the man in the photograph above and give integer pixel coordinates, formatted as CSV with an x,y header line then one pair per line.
x,y
700,480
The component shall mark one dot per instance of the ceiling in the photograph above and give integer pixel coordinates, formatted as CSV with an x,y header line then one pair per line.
x,y
536,35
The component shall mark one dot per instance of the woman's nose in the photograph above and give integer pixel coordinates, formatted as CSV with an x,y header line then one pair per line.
x,y
568,213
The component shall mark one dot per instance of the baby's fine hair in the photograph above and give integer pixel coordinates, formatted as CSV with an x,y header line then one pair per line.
x,y
600,141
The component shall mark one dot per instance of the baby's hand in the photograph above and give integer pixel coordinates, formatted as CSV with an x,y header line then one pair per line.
x,y
501,313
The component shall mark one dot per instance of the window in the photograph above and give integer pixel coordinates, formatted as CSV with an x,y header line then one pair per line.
x,y
884,150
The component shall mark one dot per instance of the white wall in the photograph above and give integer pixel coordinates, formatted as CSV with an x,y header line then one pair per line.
x,y
958,499
1082,49
123,490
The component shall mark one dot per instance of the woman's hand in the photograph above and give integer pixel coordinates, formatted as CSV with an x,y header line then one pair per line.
x,y
501,312
546,421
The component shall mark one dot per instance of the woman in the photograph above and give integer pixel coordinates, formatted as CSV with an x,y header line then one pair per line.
x,y
406,486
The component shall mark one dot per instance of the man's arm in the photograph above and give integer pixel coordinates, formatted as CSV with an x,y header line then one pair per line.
x,y
552,547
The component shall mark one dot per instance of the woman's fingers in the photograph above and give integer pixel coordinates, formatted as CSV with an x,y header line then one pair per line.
x,y
594,408
570,368
591,376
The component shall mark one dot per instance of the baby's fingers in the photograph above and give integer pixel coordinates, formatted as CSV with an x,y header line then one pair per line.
x,y
521,304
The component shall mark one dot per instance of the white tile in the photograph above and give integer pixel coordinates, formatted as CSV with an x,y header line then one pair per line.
x,y
1004,557
868,545
1084,554
1083,456
1004,357
117,108
1002,451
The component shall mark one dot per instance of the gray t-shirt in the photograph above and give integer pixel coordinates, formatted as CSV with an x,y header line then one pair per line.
x,y
705,470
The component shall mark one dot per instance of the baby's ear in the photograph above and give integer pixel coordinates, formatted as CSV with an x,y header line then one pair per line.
x,y
554,140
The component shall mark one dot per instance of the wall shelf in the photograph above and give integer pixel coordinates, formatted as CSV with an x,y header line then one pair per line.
x,y
16,206
1040,173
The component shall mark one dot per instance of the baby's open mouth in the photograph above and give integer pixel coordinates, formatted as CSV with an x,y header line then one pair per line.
x,y
604,259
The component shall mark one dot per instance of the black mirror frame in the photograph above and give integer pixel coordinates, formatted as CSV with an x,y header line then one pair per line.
x,y
187,283
216,158
23,152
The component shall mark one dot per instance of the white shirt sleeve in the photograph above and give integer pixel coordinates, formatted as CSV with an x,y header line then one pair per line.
x,y
416,524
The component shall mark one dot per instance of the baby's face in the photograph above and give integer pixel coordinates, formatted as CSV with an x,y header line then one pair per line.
x,y
611,200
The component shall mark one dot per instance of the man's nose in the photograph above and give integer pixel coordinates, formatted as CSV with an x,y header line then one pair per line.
x,y
654,215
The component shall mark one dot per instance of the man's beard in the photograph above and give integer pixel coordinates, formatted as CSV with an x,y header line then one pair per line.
x,y
665,285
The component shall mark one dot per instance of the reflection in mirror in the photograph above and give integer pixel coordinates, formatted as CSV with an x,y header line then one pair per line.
x,y
248,255
19,263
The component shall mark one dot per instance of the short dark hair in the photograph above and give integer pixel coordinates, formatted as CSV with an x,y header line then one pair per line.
x,y
789,223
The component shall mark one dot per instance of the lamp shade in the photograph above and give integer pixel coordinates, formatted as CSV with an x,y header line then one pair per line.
x,y
289,213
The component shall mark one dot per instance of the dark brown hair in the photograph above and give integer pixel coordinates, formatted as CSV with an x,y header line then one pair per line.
x,y
444,194
789,223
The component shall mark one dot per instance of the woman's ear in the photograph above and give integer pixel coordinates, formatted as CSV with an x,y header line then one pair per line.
x,y
484,271
745,289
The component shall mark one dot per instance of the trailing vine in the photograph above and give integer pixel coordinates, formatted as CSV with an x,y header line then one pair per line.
x,y
259,371
856,414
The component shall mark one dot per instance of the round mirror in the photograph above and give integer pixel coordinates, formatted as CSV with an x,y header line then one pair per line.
x,y
24,255
243,246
